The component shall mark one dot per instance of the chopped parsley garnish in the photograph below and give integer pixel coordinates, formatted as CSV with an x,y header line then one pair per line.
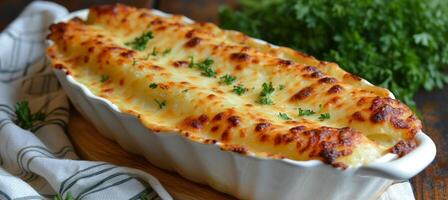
x,y
154,52
324,116
146,57
320,107
408,53
167,51
153,85
24,117
239,89
139,43
161,104
206,67
134,62
306,112
184,91
191,64
227,79
265,94
104,78
284,116
281,87
67,197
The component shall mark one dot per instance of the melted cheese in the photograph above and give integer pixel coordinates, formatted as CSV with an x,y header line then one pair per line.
x,y
363,124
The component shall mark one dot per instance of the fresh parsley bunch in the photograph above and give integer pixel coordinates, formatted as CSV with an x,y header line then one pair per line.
x,y
398,44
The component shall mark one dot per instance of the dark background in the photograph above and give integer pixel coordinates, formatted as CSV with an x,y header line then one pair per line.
x,y
430,184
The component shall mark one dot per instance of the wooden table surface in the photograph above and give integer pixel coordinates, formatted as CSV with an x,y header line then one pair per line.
x,y
428,185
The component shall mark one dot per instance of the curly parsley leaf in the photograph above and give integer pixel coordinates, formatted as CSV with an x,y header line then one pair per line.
x,y
265,97
153,85
227,79
398,44
139,43
161,104
154,51
284,116
281,87
324,116
24,118
104,78
205,67
239,89
191,63
305,112
167,51
67,197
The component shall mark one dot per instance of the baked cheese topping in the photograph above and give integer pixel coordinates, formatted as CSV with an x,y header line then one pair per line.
x,y
219,86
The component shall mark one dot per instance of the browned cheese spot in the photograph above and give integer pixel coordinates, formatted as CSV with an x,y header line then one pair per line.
x,y
218,116
225,137
190,33
329,80
310,69
297,129
352,77
234,120
237,149
403,147
357,116
399,123
203,118
262,126
284,63
239,57
180,64
193,42
215,128
302,94
335,89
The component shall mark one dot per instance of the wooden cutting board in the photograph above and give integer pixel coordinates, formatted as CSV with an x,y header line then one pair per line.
x,y
91,145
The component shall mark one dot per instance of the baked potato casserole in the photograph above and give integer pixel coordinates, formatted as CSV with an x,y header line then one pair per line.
x,y
223,87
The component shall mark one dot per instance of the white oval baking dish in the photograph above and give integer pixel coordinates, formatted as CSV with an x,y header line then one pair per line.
x,y
246,177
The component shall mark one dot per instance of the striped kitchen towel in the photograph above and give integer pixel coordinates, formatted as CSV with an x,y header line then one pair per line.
x,y
37,160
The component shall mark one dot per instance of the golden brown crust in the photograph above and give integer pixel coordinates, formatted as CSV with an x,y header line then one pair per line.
x,y
203,109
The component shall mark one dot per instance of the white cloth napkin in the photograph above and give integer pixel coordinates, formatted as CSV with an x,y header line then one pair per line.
x,y
37,160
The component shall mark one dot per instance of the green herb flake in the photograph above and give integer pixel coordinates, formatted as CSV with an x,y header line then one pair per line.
x,y
284,116
281,87
206,67
167,51
139,43
24,118
154,52
191,63
306,112
239,89
399,51
185,91
104,78
134,62
266,93
324,116
161,104
67,197
227,79
320,107
153,85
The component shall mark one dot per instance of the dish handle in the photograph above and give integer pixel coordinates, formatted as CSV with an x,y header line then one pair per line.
x,y
407,166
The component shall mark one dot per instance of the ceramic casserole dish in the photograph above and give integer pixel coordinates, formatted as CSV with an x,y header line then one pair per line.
x,y
243,176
